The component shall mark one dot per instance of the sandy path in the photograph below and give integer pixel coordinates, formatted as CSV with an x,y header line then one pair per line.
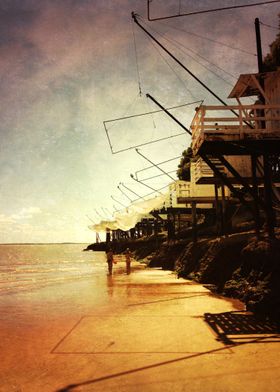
x,y
143,332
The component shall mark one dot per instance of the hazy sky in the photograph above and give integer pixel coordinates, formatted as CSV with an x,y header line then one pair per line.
x,y
68,65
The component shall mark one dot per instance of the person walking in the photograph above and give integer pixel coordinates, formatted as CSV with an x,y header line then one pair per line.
x,y
110,260
128,260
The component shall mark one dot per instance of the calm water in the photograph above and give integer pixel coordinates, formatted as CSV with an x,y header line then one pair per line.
x,y
27,267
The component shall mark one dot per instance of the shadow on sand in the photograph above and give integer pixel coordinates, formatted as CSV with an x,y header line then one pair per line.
x,y
242,327
232,328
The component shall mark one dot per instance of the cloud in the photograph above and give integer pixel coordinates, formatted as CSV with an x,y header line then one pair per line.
x,y
26,213
6,220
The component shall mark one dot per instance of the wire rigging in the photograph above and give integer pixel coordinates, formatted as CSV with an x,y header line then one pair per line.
x,y
147,143
173,70
172,40
208,39
136,60
158,175
134,16
149,109
267,25
176,44
127,109
140,115
211,10
151,112
179,9
160,163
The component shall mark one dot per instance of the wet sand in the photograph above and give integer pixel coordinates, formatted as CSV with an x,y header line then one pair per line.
x,y
142,332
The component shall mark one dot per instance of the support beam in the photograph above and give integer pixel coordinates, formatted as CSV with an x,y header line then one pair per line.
x,y
270,218
223,210
241,180
194,222
217,208
226,181
254,160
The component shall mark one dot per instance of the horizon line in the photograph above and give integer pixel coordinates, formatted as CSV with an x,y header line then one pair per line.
x,y
44,243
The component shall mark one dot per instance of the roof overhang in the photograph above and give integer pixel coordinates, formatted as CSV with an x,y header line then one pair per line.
x,y
246,86
249,85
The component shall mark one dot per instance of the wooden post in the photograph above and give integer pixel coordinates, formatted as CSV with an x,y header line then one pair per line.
x,y
254,159
270,218
194,222
269,212
223,212
217,209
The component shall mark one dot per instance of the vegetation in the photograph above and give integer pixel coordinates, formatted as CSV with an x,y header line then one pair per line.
x,y
272,59
184,167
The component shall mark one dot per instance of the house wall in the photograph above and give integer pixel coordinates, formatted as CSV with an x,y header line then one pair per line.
x,y
241,163
177,189
272,91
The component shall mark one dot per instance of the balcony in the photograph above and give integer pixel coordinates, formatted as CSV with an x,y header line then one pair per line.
x,y
236,129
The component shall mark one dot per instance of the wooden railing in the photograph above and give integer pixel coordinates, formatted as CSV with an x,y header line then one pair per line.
x,y
220,123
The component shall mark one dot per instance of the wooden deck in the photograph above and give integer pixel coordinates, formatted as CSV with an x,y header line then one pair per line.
x,y
236,129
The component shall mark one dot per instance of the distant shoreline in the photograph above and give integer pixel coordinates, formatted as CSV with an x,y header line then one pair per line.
x,y
44,243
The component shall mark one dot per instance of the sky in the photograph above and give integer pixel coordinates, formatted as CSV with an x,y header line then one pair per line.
x,y
67,66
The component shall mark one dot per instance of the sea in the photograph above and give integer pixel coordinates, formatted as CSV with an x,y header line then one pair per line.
x,y
25,267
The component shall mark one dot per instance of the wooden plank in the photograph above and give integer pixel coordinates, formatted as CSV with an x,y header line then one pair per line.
x,y
197,199
226,119
226,131
234,119
238,107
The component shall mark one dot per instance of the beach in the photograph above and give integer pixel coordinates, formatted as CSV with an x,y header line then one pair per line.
x,y
148,331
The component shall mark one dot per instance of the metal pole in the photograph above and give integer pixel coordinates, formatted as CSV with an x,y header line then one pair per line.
x,y
130,190
118,202
148,186
169,114
138,152
124,193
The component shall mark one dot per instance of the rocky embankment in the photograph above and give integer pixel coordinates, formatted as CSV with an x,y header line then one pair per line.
x,y
237,266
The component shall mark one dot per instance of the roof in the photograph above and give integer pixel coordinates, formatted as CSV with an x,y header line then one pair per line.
x,y
245,86
249,84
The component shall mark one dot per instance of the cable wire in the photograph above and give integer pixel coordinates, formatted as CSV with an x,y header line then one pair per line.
x,y
173,70
126,111
151,112
212,10
176,43
158,175
209,39
267,25
160,163
136,60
